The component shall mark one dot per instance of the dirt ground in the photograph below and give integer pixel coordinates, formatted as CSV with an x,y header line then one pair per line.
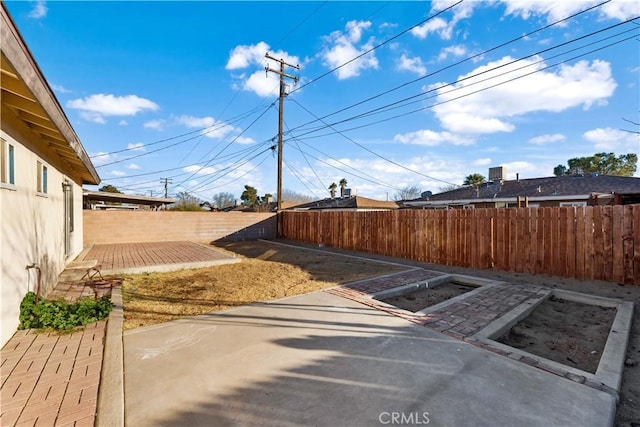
x,y
326,274
566,332
426,297
267,272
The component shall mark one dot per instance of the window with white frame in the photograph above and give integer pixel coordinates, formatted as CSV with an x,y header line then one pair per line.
x,y
7,163
42,178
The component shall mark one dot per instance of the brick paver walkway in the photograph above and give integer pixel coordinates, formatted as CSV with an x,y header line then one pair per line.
x,y
51,379
127,255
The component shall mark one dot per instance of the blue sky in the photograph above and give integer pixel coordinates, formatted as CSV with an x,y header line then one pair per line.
x,y
178,89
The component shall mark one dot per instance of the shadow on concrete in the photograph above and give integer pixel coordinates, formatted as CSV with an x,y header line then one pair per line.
x,y
323,364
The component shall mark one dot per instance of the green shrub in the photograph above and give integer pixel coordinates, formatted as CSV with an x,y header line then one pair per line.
x,y
60,314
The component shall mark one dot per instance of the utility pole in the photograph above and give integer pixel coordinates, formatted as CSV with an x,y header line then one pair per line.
x,y
283,93
166,182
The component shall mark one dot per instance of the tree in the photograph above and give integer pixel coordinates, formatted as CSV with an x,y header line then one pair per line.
x,y
603,164
343,186
295,197
249,196
408,193
560,170
109,189
187,202
223,200
332,189
474,179
446,188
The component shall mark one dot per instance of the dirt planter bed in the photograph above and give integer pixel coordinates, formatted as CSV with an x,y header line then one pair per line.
x,y
605,367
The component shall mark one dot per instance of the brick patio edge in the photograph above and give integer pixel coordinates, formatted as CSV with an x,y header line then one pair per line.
x,y
111,392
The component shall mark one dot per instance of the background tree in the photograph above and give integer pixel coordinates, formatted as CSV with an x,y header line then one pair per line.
x,y
109,189
295,197
603,164
223,200
560,170
446,188
343,186
407,193
474,179
332,190
249,196
187,202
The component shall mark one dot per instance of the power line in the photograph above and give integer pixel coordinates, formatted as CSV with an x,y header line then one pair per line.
x,y
455,89
472,76
469,58
376,46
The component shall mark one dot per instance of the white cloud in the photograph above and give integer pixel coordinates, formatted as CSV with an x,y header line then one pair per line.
x,y
102,157
432,139
95,107
123,123
582,84
261,84
138,146
344,48
414,65
245,140
93,117
455,50
133,166
522,168
253,56
609,139
199,170
486,161
39,10
211,127
431,26
60,88
243,56
438,25
155,124
117,173
547,138
556,10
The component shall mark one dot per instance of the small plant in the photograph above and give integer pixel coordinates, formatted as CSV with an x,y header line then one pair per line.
x,y
60,314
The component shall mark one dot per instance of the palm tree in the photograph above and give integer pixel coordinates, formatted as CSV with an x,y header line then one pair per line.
x,y
474,179
332,188
343,186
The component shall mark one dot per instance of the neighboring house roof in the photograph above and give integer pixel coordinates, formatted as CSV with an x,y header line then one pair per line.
x,y
104,196
556,187
27,95
355,202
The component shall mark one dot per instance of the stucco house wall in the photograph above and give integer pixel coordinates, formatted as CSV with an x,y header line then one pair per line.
x,y
33,228
39,227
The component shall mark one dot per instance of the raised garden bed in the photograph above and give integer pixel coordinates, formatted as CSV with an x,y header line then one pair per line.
x,y
568,332
426,297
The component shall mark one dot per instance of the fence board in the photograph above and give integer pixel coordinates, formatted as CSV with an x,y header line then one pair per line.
x,y
601,242
580,242
627,244
571,242
598,245
636,243
617,237
589,253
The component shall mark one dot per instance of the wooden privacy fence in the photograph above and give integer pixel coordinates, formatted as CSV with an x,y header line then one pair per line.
x,y
599,242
